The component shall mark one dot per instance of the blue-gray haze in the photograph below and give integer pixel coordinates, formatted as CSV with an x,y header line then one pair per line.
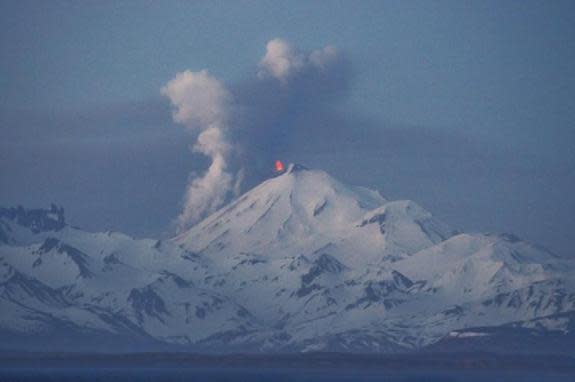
x,y
465,107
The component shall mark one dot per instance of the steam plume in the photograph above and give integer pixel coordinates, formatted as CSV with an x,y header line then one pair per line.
x,y
201,103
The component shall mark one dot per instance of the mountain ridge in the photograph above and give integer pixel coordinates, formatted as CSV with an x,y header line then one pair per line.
x,y
302,262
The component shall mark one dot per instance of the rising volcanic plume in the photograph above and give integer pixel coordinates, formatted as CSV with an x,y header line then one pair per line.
x,y
201,104
242,124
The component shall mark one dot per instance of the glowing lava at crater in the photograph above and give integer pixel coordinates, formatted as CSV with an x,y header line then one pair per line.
x,y
279,166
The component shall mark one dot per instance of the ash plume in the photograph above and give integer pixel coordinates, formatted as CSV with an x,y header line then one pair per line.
x,y
242,127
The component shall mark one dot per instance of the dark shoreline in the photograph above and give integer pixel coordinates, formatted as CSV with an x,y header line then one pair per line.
x,y
395,362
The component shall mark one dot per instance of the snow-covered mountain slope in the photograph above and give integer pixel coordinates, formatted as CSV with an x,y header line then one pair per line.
x,y
307,211
301,262
109,282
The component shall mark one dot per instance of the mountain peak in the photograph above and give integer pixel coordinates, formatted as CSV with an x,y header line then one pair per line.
x,y
296,167
284,211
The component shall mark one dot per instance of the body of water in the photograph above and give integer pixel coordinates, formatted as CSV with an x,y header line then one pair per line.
x,y
267,375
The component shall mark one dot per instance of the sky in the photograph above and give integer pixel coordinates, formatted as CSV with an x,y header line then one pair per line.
x,y
465,107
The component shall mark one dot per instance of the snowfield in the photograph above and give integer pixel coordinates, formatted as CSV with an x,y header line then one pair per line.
x,y
301,262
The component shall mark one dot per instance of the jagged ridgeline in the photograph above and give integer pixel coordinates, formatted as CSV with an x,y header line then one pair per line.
x,y
302,262
36,220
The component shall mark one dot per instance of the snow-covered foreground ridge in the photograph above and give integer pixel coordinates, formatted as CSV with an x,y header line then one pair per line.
x,y
301,262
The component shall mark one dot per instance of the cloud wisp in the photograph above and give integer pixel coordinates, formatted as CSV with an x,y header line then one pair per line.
x,y
282,61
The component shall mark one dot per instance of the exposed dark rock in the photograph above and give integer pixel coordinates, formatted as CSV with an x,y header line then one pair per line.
x,y
37,220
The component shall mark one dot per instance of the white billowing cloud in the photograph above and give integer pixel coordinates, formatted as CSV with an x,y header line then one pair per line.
x,y
199,99
207,193
212,141
282,61
202,103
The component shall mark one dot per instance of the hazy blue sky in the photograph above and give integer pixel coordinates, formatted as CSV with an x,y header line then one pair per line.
x,y
465,107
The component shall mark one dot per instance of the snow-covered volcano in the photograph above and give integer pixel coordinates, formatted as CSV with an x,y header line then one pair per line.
x,y
301,262
305,211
